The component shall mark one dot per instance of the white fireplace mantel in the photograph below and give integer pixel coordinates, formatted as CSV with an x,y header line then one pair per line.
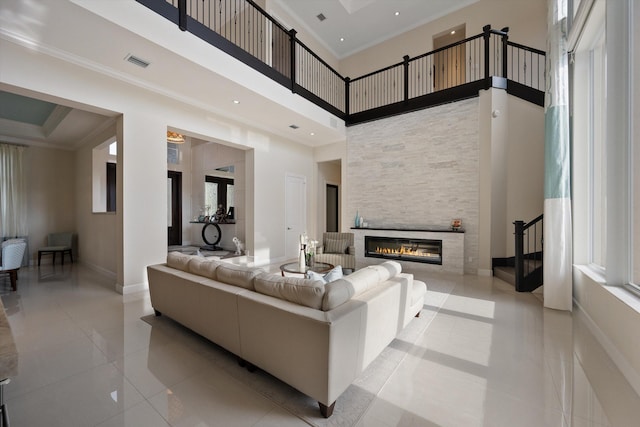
x,y
452,246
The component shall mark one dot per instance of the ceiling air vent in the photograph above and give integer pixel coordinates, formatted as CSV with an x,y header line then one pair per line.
x,y
294,126
321,17
137,61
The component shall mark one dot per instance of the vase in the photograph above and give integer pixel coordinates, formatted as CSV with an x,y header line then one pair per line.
x,y
302,263
357,220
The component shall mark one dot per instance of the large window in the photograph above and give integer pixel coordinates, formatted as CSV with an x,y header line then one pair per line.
x,y
606,150
589,98
597,153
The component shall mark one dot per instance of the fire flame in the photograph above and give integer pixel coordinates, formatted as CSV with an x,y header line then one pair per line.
x,y
404,251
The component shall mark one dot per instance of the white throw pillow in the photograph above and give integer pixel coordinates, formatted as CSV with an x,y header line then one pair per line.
x,y
334,274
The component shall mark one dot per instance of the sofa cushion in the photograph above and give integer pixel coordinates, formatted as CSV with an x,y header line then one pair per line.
x,y
204,267
237,275
335,246
342,290
299,290
334,274
178,260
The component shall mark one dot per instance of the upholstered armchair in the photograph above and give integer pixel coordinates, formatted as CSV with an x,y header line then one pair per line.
x,y
337,249
12,253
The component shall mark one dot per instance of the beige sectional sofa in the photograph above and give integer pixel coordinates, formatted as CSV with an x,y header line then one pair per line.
x,y
315,337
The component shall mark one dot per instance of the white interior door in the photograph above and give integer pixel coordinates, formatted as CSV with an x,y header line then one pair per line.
x,y
295,213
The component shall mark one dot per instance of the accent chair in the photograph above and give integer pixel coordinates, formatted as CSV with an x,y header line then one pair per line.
x,y
57,243
12,254
337,249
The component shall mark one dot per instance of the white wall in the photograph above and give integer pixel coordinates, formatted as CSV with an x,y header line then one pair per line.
x,y
273,160
97,238
51,197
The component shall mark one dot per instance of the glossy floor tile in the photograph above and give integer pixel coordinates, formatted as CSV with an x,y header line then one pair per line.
x,y
488,357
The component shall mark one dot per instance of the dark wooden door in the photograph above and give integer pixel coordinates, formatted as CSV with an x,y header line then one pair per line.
x,y
174,219
332,207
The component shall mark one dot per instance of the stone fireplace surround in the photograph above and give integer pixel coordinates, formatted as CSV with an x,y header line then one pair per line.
x,y
452,246
417,170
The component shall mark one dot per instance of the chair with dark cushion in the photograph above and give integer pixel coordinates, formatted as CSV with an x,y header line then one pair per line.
x,y
57,243
12,253
337,249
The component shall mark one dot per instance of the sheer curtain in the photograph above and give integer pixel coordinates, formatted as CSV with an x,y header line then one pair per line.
x,y
557,166
13,192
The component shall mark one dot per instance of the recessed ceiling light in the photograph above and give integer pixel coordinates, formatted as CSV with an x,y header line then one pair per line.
x,y
341,39
397,13
312,134
453,31
235,101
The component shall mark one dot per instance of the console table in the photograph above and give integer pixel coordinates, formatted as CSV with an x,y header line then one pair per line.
x,y
211,234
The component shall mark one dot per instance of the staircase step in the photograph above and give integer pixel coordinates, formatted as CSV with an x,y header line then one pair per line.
x,y
508,274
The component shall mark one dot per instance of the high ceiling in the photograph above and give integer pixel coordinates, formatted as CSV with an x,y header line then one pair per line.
x,y
352,25
35,119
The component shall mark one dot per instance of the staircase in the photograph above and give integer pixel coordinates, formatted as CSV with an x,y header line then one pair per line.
x,y
525,269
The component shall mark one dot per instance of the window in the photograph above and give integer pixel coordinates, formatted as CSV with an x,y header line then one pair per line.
x,y
597,153
219,194
103,186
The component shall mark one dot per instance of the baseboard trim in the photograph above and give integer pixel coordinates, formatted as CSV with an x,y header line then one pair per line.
x,y
485,272
620,361
107,273
131,289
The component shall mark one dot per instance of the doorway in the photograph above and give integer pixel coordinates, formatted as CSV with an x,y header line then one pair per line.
x,y
174,210
449,68
332,208
295,213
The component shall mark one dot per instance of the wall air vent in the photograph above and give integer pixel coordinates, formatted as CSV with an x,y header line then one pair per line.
x,y
321,17
137,61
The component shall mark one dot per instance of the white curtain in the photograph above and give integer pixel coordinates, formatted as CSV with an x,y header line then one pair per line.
x,y
558,251
13,192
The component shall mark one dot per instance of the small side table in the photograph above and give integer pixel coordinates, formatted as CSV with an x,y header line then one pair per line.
x,y
294,268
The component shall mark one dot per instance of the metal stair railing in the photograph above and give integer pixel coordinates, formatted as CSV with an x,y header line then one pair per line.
x,y
529,254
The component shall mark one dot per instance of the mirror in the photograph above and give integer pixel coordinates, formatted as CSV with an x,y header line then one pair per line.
x,y
219,192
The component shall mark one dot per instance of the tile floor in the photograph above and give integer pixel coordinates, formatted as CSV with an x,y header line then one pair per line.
x,y
489,357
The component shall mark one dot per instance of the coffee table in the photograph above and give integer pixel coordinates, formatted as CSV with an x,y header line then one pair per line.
x,y
294,267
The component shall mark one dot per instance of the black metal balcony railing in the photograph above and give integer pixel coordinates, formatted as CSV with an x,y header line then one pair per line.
x,y
244,30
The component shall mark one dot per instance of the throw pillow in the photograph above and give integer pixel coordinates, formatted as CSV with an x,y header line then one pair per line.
x,y
335,246
333,274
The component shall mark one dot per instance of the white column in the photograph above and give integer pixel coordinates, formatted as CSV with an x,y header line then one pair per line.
x,y
142,198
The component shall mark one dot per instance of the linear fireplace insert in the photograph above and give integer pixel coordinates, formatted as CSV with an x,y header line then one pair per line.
x,y
405,249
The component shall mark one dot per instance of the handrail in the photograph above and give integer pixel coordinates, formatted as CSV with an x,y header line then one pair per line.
x,y
322,61
244,30
523,47
529,274
533,222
